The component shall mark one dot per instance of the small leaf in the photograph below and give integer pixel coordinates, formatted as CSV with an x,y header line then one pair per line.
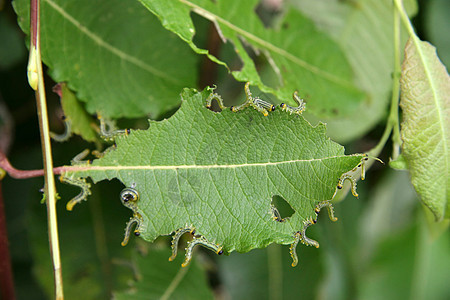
x,y
218,173
81,122
399,164
425,101
115,55
300,56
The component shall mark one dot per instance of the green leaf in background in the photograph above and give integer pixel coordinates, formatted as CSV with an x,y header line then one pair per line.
x,y
425,130
218,172
301,57
437,20
408,265
364,30
267,274
396,255
160,279
115,55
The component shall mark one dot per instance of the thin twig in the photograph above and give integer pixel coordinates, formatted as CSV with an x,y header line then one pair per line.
x,y
15,173
24,174
36,80
393,119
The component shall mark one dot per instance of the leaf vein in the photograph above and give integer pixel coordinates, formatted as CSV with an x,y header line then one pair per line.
x,y
102,43
223,203
228,166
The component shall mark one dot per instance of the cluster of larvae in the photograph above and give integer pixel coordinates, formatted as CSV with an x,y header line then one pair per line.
x,y
257,103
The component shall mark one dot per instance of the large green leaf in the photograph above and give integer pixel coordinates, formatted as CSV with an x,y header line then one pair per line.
x,y
364,30
301,57
115,55
425,101
218,172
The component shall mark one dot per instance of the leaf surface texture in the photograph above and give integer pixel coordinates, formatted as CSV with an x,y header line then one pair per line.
x,y
218,172
425,101
115,55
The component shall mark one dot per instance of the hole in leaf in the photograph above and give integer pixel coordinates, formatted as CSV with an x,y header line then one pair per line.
x,y
283,208
267,71
215,106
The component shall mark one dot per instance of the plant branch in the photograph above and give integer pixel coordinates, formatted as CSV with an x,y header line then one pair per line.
x,y
393,117
36,80
24,174
406,22
15,173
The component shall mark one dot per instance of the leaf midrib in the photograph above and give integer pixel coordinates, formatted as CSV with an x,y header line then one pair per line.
x,y
119,53
177,167
436,97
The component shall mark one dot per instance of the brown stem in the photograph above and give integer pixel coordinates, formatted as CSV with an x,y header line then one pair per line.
x,y
18,174
23,174
208,71
6,275
34,10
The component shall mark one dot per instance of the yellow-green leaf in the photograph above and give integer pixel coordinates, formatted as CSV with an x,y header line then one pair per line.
x,y
425,131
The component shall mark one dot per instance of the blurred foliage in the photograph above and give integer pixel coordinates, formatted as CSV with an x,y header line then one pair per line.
x,y
12,50
436,23
175,282
382,247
